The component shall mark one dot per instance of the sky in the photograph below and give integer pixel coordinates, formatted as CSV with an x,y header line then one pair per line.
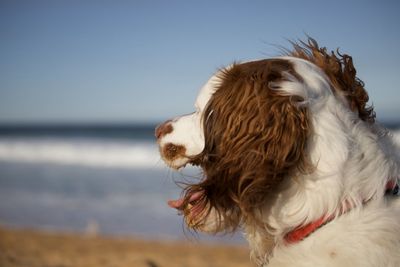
x,y
145,61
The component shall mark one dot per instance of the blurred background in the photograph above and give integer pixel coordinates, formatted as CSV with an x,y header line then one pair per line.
x,y
83,84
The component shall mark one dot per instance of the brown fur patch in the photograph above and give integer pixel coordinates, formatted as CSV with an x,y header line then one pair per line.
x,y
163,129
254,138
340,70
171,151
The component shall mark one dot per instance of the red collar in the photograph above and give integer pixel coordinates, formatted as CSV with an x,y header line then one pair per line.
x,y
302,232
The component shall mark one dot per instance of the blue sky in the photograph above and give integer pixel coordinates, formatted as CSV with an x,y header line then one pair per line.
x,y
138,61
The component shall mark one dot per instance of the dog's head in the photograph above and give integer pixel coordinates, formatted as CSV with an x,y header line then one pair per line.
x,y
252,130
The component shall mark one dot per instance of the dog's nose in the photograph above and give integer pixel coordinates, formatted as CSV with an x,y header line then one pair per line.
x,y
163,129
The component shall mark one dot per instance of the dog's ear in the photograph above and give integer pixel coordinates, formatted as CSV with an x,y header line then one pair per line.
x,y
255,136
341,72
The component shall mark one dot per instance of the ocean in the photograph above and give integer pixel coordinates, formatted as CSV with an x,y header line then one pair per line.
x,y
98,179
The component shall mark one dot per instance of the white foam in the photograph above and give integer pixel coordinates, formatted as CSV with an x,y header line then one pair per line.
x,y
88,152
93,153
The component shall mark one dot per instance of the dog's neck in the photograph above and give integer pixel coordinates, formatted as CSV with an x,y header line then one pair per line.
x,y
302,232
262,242
354,162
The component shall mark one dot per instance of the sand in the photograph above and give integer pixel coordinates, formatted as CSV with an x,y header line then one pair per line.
x,y
32,248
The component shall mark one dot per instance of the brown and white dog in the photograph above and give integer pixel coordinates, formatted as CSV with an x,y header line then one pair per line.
x,y
291,153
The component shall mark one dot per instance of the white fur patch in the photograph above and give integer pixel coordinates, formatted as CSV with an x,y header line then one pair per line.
x,y
188,129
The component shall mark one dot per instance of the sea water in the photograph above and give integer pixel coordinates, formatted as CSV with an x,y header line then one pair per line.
x,y
93,180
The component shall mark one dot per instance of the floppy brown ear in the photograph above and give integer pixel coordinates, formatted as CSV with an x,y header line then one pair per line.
x,y
341,72
255,137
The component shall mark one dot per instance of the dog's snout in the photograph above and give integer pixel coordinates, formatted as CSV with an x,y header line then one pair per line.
x,y
163,129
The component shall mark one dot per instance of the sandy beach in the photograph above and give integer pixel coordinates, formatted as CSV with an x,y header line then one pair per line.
x,y
32,248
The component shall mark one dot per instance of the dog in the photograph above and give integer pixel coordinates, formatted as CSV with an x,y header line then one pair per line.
x,y
291,153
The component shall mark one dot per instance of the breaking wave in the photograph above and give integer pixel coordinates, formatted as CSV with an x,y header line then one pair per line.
x,y
83,152
92,152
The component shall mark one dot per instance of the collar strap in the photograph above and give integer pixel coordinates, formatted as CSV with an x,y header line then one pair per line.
x,y
302,232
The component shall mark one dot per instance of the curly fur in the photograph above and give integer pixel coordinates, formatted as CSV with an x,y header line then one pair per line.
x,y
253,141
341,73
284,142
